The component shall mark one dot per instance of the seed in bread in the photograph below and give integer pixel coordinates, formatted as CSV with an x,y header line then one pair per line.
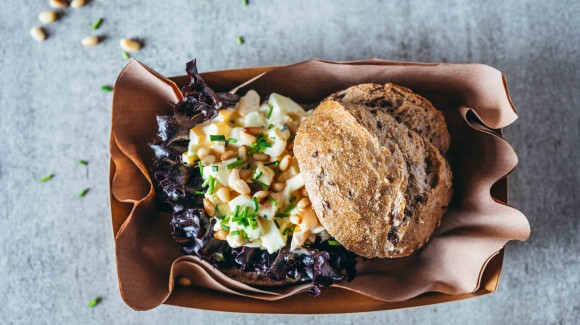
x,y
414,111
355,185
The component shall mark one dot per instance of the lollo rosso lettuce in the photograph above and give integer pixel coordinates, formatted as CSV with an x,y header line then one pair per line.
x,y
178,187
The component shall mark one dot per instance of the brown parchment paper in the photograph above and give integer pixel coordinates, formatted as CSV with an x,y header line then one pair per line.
x,y
463,258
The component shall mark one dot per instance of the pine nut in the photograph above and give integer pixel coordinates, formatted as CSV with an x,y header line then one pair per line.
x,y
220,234
208,160
183,281
285,162
223,194
260,156
309,220
58,3
77,3
247,138
227,155
277,186
284,176
47,17
261,195
295,219
202,153
241,187
253,130
303,203
129,45
90,41
245,173
234,176
242,153
209,207
38,34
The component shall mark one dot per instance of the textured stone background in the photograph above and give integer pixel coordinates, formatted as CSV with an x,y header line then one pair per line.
x,y
56,249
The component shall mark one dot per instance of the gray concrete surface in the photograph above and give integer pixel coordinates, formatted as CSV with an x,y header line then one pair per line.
x,y
56,249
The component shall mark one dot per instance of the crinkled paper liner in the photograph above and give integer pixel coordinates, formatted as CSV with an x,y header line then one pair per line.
x,y
463,258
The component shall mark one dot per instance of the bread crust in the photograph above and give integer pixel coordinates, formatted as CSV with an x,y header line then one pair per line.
x,y
411,109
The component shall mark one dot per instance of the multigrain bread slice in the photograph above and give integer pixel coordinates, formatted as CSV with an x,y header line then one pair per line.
x,y
356,186
357,212
429,186
416,112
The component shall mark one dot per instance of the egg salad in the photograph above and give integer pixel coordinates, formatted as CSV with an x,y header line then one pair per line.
x,y
252,183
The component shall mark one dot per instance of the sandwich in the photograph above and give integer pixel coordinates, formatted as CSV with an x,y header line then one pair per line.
x,y
273,193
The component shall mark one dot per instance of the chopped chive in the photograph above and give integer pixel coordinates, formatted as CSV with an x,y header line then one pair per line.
x,y
46,178
276,222
83,162
252,222
291,138
269,111
236,210
270,126
333,243
280,215
290,208
231,140
255,199
235,163
97,23
84,192
93,302
259,175
262,185
217,138
206,182
224,222
125,55
285,232
271,199
245,235
260,145
292,198
199,192
107,89
200,166
244,214
275,162
215,168
245,2
211,185
235,233
240,40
